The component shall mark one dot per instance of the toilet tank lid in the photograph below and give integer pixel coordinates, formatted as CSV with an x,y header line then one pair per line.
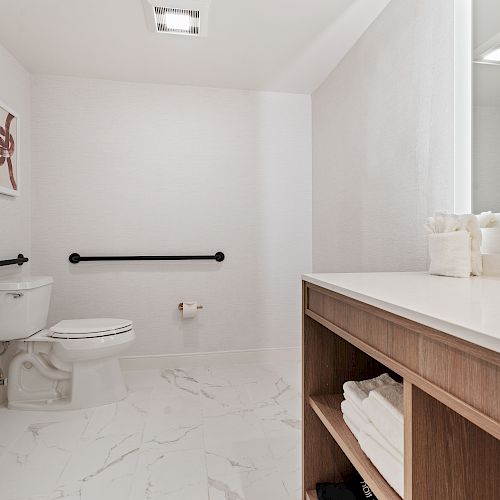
x,y
24,282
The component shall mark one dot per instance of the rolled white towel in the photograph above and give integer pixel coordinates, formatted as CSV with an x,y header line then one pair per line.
x,y
488,220
491,240
385,408
450,254
391,469
443,223
356,392
470,223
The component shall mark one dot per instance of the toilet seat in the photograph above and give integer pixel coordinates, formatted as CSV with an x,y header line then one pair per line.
x,y
90,328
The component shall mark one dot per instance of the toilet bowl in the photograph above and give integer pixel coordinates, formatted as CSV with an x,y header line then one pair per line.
x,y
72,365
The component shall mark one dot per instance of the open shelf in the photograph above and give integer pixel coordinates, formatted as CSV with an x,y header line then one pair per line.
x,y
327,408
311,495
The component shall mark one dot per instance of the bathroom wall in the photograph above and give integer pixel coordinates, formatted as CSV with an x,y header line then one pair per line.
x,y
383,142
15,226
124,168
486,159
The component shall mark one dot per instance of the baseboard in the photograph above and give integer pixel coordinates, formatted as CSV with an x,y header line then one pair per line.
x,y
271,355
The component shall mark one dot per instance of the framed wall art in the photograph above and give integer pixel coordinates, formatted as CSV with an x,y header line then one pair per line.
x,y
9,151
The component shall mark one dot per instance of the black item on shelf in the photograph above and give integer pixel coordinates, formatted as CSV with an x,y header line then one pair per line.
x,y
353,487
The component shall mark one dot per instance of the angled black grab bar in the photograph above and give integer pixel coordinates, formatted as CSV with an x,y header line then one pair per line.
x,y
21,259
75,258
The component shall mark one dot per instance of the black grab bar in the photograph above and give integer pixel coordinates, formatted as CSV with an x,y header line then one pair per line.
x,y
75,258
21,259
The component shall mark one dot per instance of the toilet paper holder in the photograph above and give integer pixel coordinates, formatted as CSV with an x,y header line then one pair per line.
x,y
181,306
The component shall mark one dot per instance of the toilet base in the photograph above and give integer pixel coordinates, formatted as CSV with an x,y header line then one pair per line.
x,y
93,383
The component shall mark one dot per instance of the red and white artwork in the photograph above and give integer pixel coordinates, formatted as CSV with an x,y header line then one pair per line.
x,y
9,151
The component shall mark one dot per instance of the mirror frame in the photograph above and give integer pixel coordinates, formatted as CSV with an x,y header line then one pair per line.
x,y
463,202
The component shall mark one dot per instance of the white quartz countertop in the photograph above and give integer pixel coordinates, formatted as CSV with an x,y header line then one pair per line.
x,y
465,308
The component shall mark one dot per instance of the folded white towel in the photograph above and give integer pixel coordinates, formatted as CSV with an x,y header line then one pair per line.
x,y
352,426
450,254
357,422
353,417
384,407
356,392
351,408
381,440
389,467
392,398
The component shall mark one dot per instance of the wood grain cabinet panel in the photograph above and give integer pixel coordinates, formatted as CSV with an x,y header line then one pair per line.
x,y
452,458
314,301
403,345
369,328
360,323
464,375
452,400
455,366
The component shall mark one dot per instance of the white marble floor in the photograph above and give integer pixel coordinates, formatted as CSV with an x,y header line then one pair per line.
x,y
225,432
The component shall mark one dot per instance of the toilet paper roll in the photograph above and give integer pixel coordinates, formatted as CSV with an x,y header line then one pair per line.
x,y
189,310
491,240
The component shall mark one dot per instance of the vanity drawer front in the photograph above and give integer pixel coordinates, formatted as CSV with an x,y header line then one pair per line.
x,y
360,323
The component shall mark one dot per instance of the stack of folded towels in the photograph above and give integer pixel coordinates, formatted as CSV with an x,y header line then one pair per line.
x,y
373,411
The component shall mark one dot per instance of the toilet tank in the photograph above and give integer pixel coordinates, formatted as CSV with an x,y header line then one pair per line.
x,y
24,306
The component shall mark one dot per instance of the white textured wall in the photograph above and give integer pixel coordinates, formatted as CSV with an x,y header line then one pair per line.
x,y
15,217
383,142
486,160
15,214
123,168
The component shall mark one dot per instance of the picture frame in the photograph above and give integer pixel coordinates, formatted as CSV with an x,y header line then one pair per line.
x,y
10,165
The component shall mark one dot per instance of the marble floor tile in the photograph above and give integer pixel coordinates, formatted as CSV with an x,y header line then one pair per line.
x,y
12,425
25,464
240,374
178,475
253,485
220,401
221,432
141,379
174,423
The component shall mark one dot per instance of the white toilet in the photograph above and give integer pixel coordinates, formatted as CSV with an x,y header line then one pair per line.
x,y
72,365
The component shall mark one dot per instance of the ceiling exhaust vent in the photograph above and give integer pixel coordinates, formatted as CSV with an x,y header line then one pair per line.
x,y
177,17
180,21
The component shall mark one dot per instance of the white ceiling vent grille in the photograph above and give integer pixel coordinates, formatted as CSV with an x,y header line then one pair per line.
x,y
177,17
180,21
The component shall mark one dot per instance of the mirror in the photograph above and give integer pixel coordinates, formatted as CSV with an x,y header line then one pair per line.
x,y
486,106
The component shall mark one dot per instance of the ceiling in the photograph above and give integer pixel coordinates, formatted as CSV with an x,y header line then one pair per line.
x,y
279,45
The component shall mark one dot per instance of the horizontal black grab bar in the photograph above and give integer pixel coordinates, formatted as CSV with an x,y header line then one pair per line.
x,y
21,259
75,258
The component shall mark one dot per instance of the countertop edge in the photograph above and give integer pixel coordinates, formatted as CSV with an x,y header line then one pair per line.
x,y
455,330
